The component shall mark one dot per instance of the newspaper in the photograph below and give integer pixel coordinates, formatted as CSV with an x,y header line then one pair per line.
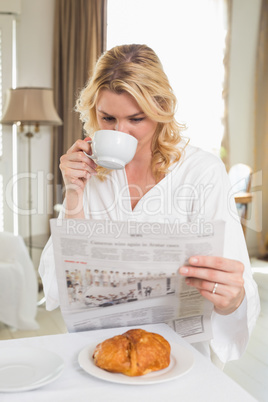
x,y
113,274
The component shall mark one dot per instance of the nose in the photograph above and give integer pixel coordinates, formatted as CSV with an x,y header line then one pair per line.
x,y
121,126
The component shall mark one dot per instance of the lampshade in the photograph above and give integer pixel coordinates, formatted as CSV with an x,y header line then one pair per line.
x,y
30,106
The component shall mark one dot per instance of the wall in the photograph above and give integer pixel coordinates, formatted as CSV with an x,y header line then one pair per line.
x,y
34,40
245,19
243,51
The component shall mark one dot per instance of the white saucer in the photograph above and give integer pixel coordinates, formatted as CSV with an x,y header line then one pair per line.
x,y
27,368
181,361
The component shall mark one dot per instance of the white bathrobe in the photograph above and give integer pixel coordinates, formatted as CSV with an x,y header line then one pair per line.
x,y
196,188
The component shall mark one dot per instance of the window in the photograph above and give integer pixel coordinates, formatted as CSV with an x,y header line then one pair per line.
x,y
189,38
8,139
1,144
1,103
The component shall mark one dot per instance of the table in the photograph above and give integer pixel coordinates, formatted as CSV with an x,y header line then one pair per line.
x,y
204,382
243,198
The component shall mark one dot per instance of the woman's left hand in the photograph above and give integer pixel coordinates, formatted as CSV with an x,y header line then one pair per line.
x,y
218,279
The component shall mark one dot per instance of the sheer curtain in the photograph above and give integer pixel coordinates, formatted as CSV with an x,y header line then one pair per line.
x,y
79,39
261,122
225,143
191,39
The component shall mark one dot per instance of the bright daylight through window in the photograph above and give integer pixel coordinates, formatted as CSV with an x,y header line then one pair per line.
x,y
8,135
1,144
189,38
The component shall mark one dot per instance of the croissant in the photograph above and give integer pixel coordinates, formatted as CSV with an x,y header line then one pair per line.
x,y
134,353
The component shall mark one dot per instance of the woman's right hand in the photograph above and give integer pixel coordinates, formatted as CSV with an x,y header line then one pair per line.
x,y
76,167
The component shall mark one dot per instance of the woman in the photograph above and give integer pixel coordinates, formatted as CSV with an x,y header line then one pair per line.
x,y
167,181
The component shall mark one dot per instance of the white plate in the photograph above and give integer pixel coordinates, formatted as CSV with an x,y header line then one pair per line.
x,y
181,361
26,368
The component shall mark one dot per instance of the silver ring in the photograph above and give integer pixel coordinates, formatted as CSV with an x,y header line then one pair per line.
x,y
215,288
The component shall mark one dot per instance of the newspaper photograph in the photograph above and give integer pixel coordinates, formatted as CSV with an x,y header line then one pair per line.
x,y
113,274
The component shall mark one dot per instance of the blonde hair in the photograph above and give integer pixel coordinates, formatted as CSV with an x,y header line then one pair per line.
x,y
136,70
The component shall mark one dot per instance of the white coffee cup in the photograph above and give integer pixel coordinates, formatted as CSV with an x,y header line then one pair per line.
x,y
112,149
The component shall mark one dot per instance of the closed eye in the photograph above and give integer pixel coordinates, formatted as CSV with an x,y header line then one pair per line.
x,y
137,119
108,118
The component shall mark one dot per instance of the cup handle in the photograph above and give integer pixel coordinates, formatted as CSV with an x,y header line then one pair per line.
x,y
90,156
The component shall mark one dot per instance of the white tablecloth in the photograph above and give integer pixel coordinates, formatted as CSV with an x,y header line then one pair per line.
x,y
204,382
18,284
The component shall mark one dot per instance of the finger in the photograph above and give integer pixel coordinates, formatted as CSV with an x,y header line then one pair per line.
x,y
78,174
212,275
223,303
70,174
219,263
216,299
78,166
219,298
228,290
77,160
207,286
79,145
78,157
201,273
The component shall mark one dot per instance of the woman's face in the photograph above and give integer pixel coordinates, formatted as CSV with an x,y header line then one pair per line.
x,y
121,112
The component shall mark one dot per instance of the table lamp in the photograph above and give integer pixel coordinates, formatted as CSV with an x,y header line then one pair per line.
x,y
31,107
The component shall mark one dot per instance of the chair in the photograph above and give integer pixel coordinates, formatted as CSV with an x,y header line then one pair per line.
x,y
18,284
240,177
